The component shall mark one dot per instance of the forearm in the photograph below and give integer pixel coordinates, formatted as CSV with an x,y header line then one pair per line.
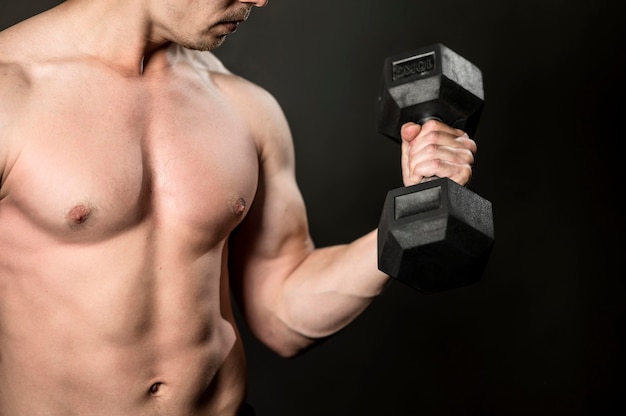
x,y
326,292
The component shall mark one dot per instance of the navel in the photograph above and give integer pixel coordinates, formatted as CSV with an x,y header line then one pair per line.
x,y
154,389
239,207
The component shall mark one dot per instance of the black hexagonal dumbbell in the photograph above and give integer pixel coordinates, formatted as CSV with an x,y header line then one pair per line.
x,y
436,235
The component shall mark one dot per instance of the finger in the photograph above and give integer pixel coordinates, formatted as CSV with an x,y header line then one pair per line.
x,y
436,125
432,159
456,155
444,138
436,149
466,142
460,174
415,138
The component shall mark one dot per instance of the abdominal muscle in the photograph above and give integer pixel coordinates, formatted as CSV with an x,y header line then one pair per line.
x,y
134,325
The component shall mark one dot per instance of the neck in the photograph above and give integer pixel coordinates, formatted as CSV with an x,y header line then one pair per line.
x,y
118,33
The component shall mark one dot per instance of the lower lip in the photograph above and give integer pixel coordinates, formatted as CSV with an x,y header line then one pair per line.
x,y
231,26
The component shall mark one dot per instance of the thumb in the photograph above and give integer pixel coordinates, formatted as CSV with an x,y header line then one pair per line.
x,y
409,132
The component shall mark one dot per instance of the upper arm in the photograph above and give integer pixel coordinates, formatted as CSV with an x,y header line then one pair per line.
x,y
274,237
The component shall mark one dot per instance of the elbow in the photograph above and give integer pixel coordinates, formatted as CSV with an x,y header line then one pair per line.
x,y
285,351
282,334
286,342
291,347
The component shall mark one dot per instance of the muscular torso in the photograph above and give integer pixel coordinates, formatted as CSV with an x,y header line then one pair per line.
x,y
118,196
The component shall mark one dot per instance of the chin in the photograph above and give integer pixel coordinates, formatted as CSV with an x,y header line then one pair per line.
x,y
206,44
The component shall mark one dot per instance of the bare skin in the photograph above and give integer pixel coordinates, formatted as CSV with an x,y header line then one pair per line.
x,y
139,181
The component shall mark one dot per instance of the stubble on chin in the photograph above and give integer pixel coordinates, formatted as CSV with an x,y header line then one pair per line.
x,y
203,45
212,41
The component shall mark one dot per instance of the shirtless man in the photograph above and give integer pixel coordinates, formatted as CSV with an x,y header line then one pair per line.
x,y
139,179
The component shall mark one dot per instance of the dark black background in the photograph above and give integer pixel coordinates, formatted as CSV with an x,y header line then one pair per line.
x,y
544,332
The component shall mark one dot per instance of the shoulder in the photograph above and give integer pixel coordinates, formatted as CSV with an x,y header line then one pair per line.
x,y
15,83
15,77
256,105
211,67
266,119
15,87
17,49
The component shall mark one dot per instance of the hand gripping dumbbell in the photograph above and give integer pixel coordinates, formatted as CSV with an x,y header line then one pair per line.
x,y
436,235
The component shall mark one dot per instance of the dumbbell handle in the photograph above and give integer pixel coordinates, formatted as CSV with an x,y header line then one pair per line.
x,y
428,118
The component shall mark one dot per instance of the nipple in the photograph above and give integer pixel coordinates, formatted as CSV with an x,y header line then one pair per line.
x,y
79,215
240,206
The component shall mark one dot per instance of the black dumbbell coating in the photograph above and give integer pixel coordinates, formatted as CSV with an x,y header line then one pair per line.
x,y
430,82
436,235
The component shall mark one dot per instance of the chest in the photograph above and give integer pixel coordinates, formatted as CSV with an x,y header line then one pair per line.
x,y
95,160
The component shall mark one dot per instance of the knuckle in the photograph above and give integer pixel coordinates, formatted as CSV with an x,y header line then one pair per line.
x,y
431,124
437,164
466,174
431,148
469,144
421,169
433,137
466,156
